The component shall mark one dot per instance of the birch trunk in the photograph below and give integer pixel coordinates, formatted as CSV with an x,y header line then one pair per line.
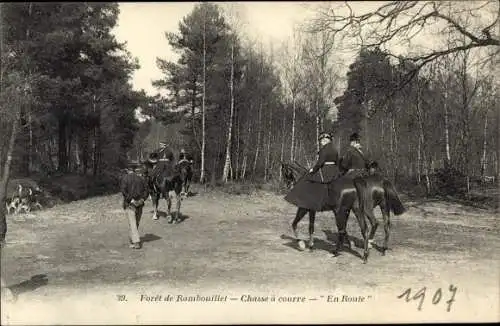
x,y
227,163
203,113
282,154
318,124
269,135
485,143
257,148
292,147
446,128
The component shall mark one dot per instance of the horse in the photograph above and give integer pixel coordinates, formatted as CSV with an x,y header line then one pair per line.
x,y
288,175
164,180
186,175
375,191
371,191
344,194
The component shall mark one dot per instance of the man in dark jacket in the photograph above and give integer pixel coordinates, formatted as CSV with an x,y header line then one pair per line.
x,y
354,162
163,153
135,191
311,191
184,156
6,293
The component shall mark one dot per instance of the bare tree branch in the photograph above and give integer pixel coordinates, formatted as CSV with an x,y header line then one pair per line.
x,y
404,20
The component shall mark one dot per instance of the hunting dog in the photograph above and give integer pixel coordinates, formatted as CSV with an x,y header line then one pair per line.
x,y
24,200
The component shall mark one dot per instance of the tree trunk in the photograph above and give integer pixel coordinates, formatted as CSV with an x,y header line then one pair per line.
x,y
6,175
94,151
446,129
294,113
245,152
203,113
318,124
269,135
419,161
236,170
282,155
257,147
227,163
485,143
30,143
244,167
77,152
62,159
193,117
85,151
420,120
69,146
394,135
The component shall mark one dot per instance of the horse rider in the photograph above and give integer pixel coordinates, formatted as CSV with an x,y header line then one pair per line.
x,y
135,191
354,162
183,156
311,191
164,152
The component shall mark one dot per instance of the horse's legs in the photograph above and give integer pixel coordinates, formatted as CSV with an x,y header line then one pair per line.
x,y
168,198
178,207
341,216
364,230
373,224
301,212
155,198
312,217
183,188
387,227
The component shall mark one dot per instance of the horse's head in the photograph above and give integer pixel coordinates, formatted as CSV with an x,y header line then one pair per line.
x,y
184,168
372,167
288,173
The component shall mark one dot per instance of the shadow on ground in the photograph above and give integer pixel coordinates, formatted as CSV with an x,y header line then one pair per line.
x,y
148,237
319,244
182,217
32,284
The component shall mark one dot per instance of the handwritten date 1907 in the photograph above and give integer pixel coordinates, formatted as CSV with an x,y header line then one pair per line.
x,y
436,298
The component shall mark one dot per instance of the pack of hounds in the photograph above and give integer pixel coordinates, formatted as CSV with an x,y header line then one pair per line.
x,y
24,200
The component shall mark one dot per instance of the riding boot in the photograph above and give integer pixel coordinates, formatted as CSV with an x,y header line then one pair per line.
x,y
341,240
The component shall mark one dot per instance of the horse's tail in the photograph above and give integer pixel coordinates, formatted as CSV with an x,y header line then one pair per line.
x,y
392,199
363,196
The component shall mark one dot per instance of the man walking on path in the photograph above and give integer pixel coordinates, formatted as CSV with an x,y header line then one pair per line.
x,y
135,191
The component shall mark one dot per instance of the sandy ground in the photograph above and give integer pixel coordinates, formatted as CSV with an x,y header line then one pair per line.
x,y
71,264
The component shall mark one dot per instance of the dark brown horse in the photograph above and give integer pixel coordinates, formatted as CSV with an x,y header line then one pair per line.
x,y
186,175
288,174
164,180
375,191
361,195
343,198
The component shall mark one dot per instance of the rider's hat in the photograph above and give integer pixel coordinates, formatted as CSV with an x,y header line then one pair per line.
x,y
153,157
354,137
183,150
325,135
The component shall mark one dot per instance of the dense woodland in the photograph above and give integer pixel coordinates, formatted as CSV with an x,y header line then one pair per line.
x,y
240,106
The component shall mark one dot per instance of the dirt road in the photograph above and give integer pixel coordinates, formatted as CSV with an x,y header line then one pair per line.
x,y
236,252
